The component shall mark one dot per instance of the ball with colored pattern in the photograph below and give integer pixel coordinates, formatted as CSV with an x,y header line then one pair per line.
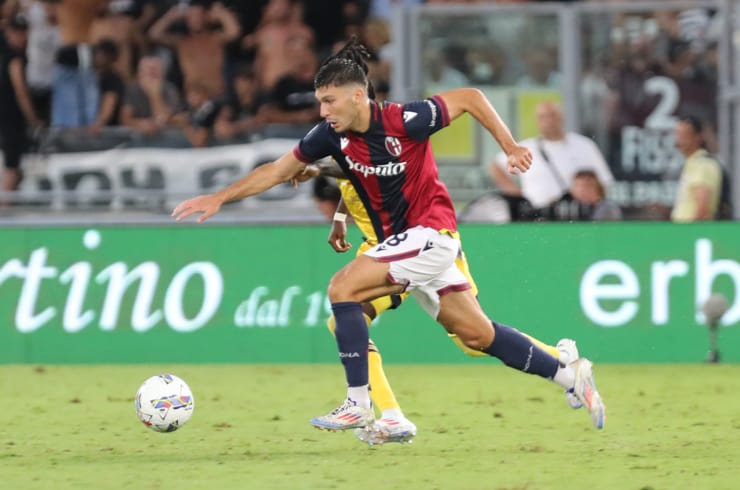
x,y
164,403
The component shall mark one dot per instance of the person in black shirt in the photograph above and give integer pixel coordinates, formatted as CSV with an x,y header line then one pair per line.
x,y
293,99
241,115
203,109
105,55
16,108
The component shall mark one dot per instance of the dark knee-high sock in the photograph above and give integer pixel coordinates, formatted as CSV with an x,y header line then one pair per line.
x,y
516,350
352,339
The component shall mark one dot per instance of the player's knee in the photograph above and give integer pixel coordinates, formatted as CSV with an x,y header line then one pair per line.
x,y
467,350
338,291
476,340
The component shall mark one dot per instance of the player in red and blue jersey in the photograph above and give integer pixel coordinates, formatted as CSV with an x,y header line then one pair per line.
x,y
385,152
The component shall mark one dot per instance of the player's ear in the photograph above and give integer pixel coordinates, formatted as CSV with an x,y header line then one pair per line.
x,y
359,95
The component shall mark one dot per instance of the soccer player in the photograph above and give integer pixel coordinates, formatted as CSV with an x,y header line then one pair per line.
x,y
393,425
384,150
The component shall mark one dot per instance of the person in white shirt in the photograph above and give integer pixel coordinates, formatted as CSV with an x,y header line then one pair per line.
x,y
557,157
43,41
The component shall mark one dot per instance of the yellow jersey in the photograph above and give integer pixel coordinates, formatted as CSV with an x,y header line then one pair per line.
x,y
357,210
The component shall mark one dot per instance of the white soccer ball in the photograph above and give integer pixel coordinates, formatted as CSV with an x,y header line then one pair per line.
x,y
164,403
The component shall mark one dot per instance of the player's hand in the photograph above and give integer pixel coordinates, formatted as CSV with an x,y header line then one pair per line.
x,y
338,236
308,173
207,205
519,160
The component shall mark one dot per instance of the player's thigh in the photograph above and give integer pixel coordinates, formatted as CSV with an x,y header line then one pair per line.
x,y
461,314
363,279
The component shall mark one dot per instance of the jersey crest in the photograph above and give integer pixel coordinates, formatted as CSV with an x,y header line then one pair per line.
x,y
393,146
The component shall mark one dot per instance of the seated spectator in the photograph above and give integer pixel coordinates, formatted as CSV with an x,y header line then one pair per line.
x,y
440,72
240,115
540,70
557,155
202,110
293,100
116,22
110,85
589,193
201,49
150,101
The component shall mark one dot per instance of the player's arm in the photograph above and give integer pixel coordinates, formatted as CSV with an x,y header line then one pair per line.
x,y
257,181
328,168
475,103
338,232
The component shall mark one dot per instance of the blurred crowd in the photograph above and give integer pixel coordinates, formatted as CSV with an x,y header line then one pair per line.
x,y
219,71
211,68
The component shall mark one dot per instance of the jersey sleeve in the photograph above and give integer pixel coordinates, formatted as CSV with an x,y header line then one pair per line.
x,y
315,145
424,118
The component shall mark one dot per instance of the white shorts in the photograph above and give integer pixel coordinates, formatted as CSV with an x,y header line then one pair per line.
x,y
423,260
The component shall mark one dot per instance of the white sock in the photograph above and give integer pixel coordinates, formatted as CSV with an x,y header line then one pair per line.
x,y
565,376
392,413
360,395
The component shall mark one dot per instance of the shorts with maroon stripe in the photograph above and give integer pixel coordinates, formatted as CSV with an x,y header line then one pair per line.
x,y
423,260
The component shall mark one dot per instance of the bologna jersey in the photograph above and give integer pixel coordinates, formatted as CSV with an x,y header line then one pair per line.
x,y
391,165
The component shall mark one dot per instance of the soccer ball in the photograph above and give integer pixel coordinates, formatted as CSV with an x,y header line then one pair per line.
x,y
164,403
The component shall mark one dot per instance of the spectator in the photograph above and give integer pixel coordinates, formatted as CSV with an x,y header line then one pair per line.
x,y
43,42
110,85
249,15
116,22
150,101
281,25
557,156
384,9
202,111
540,70
241,114
377,38
487,64
201,49
293,100
328,20
700,185
441,72
17,113
75,89
588,192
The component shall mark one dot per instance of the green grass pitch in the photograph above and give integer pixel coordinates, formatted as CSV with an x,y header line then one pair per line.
x,y
481,427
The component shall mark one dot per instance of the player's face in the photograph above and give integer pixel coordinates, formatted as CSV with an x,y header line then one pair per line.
x,y
341,105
